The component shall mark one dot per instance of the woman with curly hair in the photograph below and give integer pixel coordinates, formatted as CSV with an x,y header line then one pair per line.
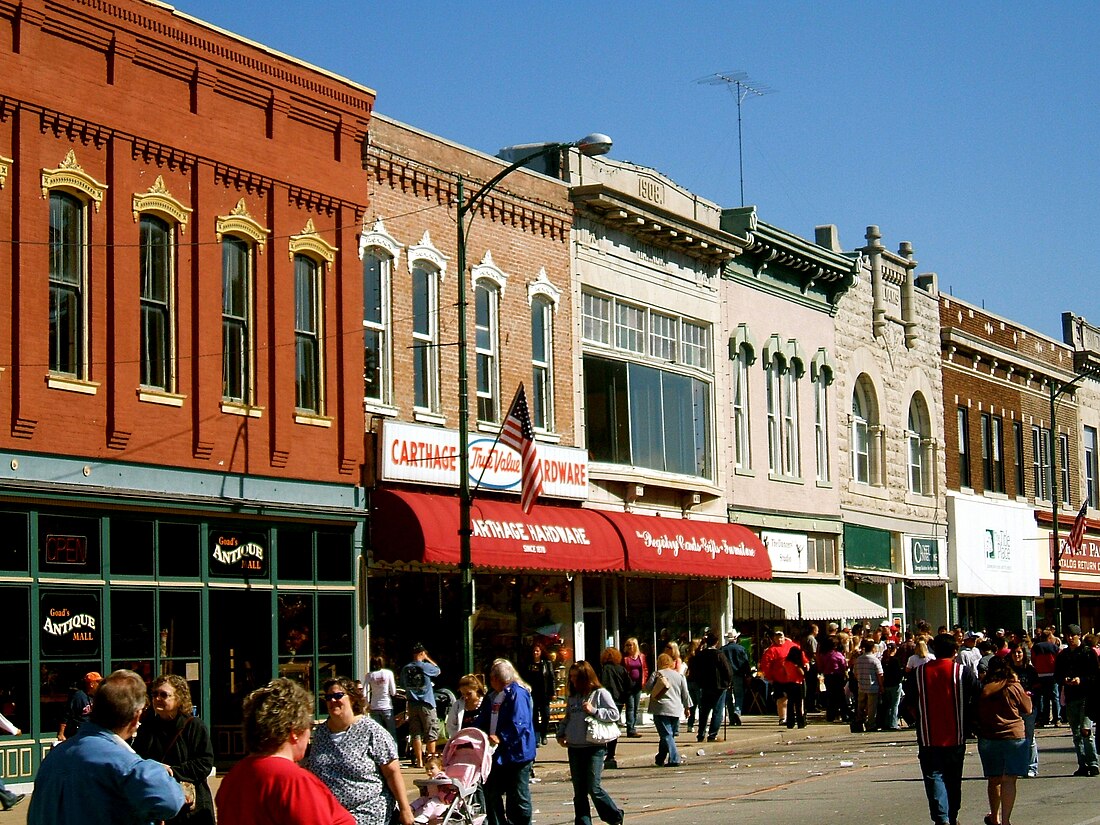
x,y
357,758
175,737
267,787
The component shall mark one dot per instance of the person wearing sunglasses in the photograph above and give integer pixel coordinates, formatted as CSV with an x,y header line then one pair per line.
x,y
174,736
357,758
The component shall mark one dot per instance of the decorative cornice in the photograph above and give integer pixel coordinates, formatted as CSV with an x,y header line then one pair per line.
x,y
152,152
160,201
240,222
69,175
377,236
426,251
542,288
310,242
489,270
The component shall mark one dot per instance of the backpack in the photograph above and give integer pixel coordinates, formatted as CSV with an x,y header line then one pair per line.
x,y
661,686
413,678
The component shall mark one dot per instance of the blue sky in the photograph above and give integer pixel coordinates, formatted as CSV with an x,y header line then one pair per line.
x,y
970,130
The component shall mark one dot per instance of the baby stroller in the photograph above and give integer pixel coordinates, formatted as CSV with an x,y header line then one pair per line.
x,y
452,795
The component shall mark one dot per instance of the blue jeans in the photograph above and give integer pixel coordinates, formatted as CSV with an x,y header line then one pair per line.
x,y
712,704
735,697
1029,734
1049,709
1084,737
511,780
585,769
888,702
632,712
667,728
385,719
695,692
942,769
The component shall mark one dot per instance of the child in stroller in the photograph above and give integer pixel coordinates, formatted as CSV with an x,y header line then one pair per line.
x,y
453,793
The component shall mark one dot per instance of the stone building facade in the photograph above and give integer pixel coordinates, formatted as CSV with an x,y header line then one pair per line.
x,y
891,462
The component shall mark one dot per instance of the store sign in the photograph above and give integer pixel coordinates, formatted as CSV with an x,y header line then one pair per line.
x,y
924,556
429,455
238,554
1085,559
788,551
675,545
69,623
993,551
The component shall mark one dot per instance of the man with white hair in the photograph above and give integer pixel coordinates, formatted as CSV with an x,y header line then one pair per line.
x,y
507,715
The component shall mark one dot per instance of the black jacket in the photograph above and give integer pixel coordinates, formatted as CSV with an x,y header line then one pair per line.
x,y
190,755
711,668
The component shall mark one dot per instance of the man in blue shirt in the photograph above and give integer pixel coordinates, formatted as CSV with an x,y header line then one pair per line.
x,y
96,776
416,679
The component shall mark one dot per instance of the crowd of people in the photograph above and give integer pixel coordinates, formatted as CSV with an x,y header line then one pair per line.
x,y
141,752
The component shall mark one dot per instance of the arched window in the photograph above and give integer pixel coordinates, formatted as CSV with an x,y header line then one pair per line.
x,y
425,283
918,441
542,363
741,431
487,349
863,421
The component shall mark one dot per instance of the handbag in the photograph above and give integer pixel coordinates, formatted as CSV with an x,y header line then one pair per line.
x,y
599,732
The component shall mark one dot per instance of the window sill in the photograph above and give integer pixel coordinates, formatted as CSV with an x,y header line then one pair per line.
x,y
378,408
860,488
488,427
825,484
995,495
237,408
547,437
71,384
429,417
919,499
155,396
312,419
785,479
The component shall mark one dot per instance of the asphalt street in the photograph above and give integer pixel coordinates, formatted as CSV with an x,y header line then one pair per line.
x,y
816,777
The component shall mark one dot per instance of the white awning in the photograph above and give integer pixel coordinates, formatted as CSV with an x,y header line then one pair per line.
x,y
773,601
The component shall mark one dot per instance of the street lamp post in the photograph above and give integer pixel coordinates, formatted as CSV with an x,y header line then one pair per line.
x,y
594,144
1057,391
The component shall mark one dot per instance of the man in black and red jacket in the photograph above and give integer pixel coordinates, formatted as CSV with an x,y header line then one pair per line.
x,y
941,693
1076,670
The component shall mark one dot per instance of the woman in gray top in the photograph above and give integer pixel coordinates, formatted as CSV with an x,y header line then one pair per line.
x,y
668,709
587,698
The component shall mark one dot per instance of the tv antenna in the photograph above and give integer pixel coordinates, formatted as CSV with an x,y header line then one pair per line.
x,y
740,85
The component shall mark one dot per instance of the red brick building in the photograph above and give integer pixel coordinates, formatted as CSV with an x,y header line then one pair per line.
x,y
180,357
1000,445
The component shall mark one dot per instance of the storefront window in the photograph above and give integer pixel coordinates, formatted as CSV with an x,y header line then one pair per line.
x,y
295,637
178,550
13,542
132,547
516,612
295,554
334,557
132,620
15,694
68,545
69,626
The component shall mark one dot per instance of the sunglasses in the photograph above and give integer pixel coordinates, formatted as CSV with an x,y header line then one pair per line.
x,y
334,697
162,694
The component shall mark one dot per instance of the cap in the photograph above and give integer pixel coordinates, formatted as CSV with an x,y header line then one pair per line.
x,y
732,636
891,643
1073,630
974,634
884,623
93,676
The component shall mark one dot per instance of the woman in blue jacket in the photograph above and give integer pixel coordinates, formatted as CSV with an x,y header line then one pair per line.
x,y
507,716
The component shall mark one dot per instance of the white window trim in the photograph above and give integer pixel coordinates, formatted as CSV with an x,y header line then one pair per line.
x,y
388,251
493,288
434,262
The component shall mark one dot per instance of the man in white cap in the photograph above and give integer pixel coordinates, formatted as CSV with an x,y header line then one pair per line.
x,y
969,655
738,658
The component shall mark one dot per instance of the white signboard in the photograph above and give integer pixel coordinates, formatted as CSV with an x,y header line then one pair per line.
x,y
788,551
992,550
429,455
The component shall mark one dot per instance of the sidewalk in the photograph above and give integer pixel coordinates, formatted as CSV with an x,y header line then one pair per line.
x,y
758,733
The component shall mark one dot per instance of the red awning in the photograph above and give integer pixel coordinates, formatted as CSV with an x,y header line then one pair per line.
x,y
691,548
423,527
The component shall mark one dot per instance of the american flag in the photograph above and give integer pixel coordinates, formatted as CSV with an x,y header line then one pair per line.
x,y
1078,531
518,434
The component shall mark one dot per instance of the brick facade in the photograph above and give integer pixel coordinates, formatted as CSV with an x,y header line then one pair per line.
x,y
140,94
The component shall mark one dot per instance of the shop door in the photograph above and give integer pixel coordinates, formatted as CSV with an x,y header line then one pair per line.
x,y
595,637
240,661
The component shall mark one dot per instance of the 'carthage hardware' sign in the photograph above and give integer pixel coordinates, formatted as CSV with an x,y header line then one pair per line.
x,y
429,455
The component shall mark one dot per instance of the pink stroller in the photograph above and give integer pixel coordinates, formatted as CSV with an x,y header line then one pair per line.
x,y
452,796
